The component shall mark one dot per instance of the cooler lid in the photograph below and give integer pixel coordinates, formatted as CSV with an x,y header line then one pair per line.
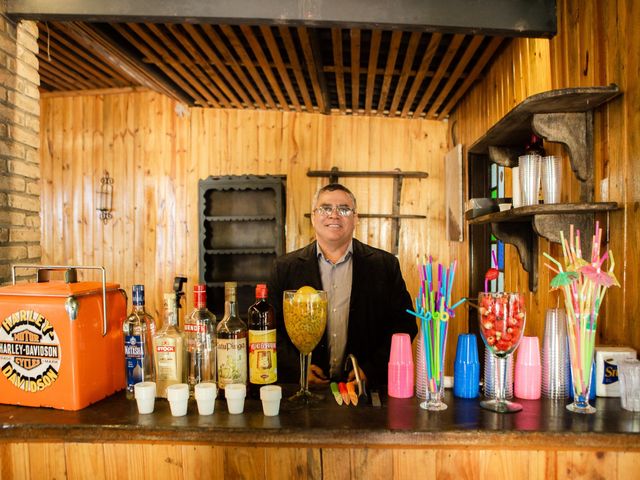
x,y
56,289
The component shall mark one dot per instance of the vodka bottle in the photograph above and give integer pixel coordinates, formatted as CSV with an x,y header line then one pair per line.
x,y
169,348
200,333
138,330
231,343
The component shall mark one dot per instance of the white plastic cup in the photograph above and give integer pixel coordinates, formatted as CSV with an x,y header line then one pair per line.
x,y
205,394
145,393
270,396
529,170
235,394
516,192
551,179
178,396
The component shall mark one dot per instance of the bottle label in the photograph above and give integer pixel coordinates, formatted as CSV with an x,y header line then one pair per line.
x,y
263,367
167,360
134,356
194,327
232,361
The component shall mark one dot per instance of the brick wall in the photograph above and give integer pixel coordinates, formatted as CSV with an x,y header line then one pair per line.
x,y
19,142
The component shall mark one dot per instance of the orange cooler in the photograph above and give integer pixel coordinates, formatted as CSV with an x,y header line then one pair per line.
x,y
58,348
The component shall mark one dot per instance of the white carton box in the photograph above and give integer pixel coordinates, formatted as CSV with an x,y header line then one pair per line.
x,y
607,359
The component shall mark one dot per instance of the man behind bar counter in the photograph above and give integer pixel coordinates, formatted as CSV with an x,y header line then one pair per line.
x,y
367,296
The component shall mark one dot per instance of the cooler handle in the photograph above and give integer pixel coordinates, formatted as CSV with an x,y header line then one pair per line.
x,y
70,267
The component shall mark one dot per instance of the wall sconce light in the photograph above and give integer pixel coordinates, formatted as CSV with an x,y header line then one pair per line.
x,y
105,198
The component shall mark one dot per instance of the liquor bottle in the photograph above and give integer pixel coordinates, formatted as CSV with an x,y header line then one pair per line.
x,y
231,341
138,330
169,348
535,146
200,333
263,367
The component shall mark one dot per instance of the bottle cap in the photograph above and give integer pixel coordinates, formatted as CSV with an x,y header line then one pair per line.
x,y
200,295
138,295
261,290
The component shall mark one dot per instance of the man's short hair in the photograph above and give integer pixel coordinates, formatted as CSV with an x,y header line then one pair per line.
x,y
332,187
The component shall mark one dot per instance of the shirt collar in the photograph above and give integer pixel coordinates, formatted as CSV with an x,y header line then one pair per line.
x,y
347,255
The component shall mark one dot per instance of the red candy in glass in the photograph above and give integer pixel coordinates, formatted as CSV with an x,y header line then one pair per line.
x,y
502,318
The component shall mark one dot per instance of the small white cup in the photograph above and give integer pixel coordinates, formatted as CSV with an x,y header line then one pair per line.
x,y
270,396
178,396
145,393
205,394
235,394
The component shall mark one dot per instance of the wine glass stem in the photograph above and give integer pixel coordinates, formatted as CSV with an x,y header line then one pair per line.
x,y
501,370
305,363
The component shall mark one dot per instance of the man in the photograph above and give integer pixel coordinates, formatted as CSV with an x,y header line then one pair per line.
x,y
367,296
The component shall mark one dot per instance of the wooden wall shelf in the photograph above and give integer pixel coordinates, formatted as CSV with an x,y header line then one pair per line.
x,y
563,116
521,227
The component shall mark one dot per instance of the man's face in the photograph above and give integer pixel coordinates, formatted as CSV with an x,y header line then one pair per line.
x,y
334,229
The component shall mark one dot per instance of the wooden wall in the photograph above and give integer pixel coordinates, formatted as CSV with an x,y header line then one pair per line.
x,y
156,158
142,461
597,44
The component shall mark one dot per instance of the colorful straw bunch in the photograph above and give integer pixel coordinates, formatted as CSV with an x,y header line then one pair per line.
x,y
584,285
433,308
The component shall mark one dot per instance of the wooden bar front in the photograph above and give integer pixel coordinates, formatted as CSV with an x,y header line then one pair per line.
x,y
398,440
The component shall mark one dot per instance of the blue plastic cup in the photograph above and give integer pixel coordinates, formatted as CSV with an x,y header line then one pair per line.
x,y
466,369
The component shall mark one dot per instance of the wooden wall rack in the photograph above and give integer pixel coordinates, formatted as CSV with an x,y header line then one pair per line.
x,y
564,116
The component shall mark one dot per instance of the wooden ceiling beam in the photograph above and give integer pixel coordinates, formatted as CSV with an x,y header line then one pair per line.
x,y
175,57
213,58
519,18
396,38
126,32
285,33
374,50
112,54
338,62
355,70
432,48
108,72
456,41
409,57
473,75
235,66
71,81
456,74
260,55
272,45
213,80
246,61
311,55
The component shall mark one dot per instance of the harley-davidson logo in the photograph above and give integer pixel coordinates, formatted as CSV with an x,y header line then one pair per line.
x,y
30,354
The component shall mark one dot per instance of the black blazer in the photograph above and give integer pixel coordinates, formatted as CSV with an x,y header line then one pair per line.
x,y
377,310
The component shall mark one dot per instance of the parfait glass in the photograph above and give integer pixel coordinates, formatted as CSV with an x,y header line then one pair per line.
x,y
305,318
434,333
502,319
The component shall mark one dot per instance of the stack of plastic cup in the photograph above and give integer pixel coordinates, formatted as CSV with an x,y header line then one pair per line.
x,y
421,369
466,368
401,366
528,369
629,375
551,179
555,355
529,169
516,192
490,375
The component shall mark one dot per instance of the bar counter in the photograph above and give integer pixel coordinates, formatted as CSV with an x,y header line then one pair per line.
x,y
323,440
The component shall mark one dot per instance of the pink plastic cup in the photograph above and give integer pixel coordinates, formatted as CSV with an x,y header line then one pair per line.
x,y
528,375
401,366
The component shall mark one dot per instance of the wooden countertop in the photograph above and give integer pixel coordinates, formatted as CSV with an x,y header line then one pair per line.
x,y
541,423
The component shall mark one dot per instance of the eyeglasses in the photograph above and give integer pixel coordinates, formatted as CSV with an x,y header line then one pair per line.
x,y
326,210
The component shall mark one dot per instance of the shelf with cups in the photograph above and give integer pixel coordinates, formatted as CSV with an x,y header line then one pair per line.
x,y
562,116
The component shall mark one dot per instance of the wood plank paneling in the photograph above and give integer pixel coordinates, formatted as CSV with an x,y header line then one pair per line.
x,y
593,47
84,460
156,157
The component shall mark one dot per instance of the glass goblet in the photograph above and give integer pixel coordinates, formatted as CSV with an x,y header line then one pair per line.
x,y
305,318
502,318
